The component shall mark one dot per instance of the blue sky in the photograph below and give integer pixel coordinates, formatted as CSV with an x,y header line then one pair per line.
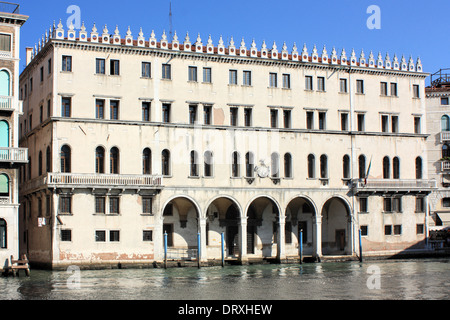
x,y
417,28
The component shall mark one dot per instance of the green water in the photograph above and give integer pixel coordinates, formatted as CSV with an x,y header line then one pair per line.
x,y
427,279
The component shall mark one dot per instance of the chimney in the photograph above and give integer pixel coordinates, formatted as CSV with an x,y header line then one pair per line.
x,y
29,53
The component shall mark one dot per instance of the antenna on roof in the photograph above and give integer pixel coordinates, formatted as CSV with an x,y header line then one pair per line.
x,y
170,20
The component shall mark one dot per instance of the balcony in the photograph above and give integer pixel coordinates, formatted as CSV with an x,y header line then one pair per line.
x,y
382,186
445,136
445,166
6,101
14,155
94,181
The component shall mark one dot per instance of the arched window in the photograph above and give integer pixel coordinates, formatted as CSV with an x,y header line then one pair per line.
x,y
311,166
114,160
65,159
235,172
5,89
147,161
249,164
445,123
208,157
323,166
40,163
396,169
100,160
275,165
419,168
165,163
4,185
4,134
194,164
3,234
362,166
445,151
346,167
386,168
287,165
48,159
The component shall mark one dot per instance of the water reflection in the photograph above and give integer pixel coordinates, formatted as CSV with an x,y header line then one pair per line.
x,y
408,279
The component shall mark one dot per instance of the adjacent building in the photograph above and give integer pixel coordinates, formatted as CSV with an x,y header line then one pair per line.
x,y
438,123
135,143
11,156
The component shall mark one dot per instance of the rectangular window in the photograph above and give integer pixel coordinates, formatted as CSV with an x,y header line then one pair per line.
x,y
444,101
416,91
145,111
114,235
398,229
67,63
344,121
114,205
361,124
65,204
308,82
343,85
387,230
147,235
192,113
446,202
166,71
383,89
192,76
100,205
364,231
41,114
207,115
286,81
207,75
42,74
66,107
392,205
420,204
66,235
114,68
393,89
320,84
5,42
100,66
114,109
363,208
233,116
288,232
247,81
146,205
394,123
420,229
360,86
287,118
322,121
146,70
233,77
100,236
309,120
273,80
417,125
273,118
385,123
248,117
166,113
49,66
99,109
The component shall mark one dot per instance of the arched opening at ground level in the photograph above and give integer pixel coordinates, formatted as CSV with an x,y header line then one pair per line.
x,y
336,227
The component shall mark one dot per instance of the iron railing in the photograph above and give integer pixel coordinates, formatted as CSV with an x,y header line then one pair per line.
x,y
440,77
9,7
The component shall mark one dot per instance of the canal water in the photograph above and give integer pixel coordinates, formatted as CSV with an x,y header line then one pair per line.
x,y
424,279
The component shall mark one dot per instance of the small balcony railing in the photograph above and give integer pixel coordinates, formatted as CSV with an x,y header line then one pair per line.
x,y
13,155
445,136
393,185
6,101
5,200
445,165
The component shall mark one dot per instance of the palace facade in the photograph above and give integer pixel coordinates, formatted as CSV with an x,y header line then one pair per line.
x,y
11,156
133,138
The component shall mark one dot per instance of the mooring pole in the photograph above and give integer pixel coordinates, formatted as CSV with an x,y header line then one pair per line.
x,y
301,246
198,249
360,247
165,250
223,249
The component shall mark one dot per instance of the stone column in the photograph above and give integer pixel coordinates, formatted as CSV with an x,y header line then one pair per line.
x,y
203,235
243,240
55,259
317,240
281,243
